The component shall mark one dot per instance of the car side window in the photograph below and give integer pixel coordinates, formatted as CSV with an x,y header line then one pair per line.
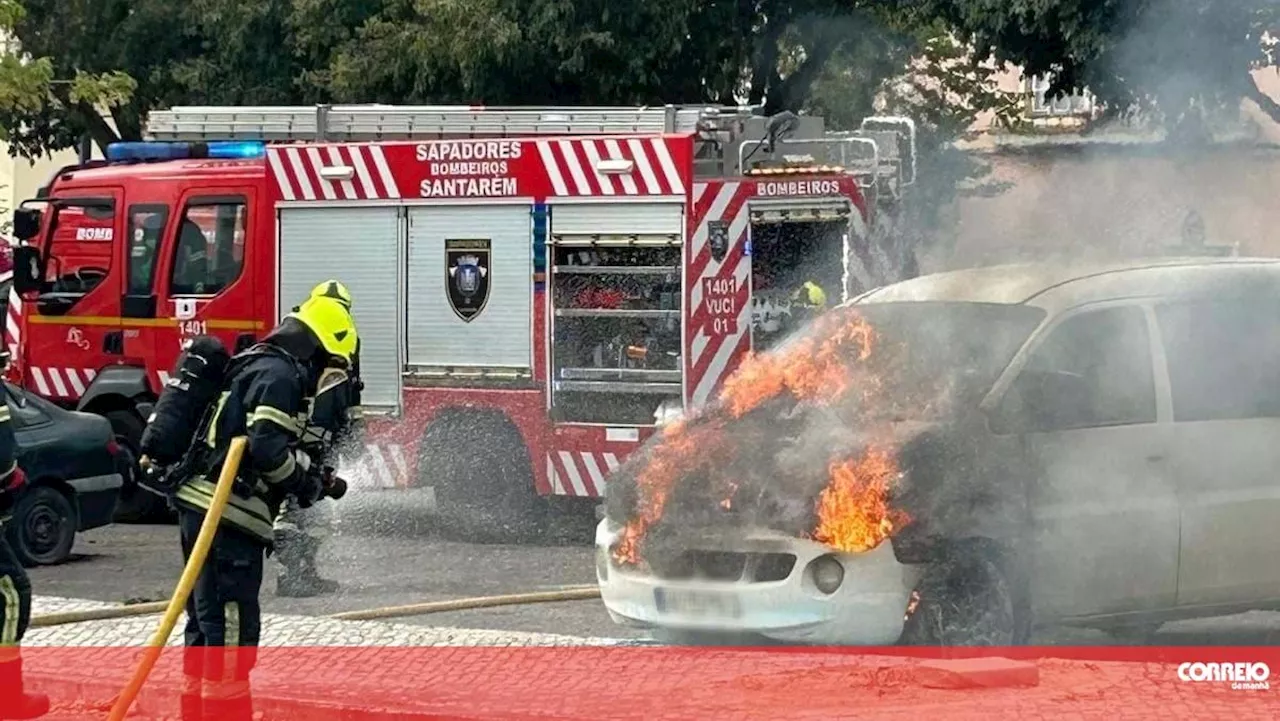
x,y
1224,358
209,252
1093,370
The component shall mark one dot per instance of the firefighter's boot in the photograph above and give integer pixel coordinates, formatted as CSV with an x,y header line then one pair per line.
x,y
299,577
290,585
15,703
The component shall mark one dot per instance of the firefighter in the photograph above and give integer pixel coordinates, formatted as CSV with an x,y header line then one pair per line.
x,y
262,396
300,532
807,301
15,587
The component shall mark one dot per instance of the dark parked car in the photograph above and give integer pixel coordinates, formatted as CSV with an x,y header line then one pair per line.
x,y
74,477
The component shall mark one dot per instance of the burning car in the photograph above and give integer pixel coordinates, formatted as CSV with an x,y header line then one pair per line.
x,y
947,459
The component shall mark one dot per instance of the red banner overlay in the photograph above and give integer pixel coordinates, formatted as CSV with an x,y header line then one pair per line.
x,y
643,683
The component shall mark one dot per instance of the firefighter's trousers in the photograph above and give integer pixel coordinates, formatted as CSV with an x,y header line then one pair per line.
x,y
299,532
15,614
224,621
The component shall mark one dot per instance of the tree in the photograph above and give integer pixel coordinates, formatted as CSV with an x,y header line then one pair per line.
x,y
1176,61
45,106
135,55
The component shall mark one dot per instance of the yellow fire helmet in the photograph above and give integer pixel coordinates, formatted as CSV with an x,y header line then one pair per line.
x,y
332,324
333,289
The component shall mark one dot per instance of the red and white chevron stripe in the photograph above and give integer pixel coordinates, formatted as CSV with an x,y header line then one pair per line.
x,y
61,383
579,473
571,165
710,356
379,466
297,172
13,319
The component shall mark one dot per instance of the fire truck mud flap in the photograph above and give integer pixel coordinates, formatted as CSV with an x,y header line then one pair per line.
x,y
861,599
114,386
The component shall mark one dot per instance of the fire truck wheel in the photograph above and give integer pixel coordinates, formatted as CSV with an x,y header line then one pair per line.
x,y
969,600
136,505
483,479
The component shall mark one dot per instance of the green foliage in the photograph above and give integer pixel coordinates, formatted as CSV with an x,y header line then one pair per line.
x,y
1178,62
42,108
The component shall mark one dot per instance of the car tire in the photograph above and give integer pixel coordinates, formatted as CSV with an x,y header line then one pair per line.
x,y
43,528
969,600
136,504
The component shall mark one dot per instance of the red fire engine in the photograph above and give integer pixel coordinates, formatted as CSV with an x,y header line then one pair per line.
x,y
537,289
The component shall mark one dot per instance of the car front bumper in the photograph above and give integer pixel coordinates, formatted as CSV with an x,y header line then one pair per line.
x,y
867,608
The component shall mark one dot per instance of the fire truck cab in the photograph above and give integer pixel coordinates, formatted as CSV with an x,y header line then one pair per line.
x,y
536,289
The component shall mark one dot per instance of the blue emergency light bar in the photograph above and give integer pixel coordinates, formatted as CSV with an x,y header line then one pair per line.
x,y
159,150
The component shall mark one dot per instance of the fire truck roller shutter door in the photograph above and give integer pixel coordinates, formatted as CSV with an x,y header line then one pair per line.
x,y
361,248
470,286
618,218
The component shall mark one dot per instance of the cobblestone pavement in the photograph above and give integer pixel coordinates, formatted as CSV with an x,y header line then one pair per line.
x,y
318,668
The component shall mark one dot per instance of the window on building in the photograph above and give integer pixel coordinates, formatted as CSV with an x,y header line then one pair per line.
x,y
208,255
1044,105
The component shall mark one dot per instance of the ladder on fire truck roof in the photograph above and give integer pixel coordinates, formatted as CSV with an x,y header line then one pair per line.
x,y
717,128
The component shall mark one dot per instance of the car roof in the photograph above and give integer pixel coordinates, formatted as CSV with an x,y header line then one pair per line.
x,y
1058,286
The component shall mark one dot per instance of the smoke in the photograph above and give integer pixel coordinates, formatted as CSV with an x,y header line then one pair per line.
x,y
856,381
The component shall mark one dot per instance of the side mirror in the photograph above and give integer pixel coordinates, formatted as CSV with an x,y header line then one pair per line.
x,y
28,269
26,223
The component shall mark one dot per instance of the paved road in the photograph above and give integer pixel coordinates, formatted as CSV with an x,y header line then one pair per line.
x,y
381,562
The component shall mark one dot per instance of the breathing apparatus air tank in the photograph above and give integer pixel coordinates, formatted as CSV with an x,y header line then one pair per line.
x,y
191,390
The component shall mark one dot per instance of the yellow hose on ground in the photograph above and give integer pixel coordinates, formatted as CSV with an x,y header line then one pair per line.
x,y
98,614
462,604
189,575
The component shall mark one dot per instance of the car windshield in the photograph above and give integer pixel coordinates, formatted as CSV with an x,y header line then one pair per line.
x,y
943,355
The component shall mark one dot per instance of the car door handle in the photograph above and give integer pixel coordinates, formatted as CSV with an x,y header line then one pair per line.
x,y
1155,458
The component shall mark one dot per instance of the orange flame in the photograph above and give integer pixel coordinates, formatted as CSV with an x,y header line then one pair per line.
x,y
672,458
815,368
853,510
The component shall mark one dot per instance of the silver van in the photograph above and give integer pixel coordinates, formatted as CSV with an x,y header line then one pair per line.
x,y
1109,459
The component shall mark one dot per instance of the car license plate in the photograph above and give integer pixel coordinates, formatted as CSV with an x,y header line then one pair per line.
x,y
707,604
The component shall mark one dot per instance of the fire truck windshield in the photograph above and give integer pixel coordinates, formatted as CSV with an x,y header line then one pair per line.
x,y
78,245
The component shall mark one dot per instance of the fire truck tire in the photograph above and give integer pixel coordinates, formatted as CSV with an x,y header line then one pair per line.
x,y
483,479
136,505
970,599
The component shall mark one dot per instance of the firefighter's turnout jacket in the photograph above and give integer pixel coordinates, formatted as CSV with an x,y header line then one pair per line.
x,y
8,460
262,400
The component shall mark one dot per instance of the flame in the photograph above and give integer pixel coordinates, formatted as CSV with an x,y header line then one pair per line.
x,y
672,458
815,368
824,366
853,511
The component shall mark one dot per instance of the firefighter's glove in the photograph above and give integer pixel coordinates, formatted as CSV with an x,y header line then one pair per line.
x,y
309,489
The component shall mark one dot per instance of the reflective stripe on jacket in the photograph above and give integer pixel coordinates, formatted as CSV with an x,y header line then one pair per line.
x,y
262,400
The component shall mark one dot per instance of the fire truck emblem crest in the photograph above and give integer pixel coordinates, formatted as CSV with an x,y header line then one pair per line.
x,y
718,239
467,262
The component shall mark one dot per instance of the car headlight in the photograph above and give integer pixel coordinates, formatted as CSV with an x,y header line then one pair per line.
x,y
827,573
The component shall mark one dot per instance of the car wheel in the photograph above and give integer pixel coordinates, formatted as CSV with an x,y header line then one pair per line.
x,y
483,480
136,504
43,528
966,602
